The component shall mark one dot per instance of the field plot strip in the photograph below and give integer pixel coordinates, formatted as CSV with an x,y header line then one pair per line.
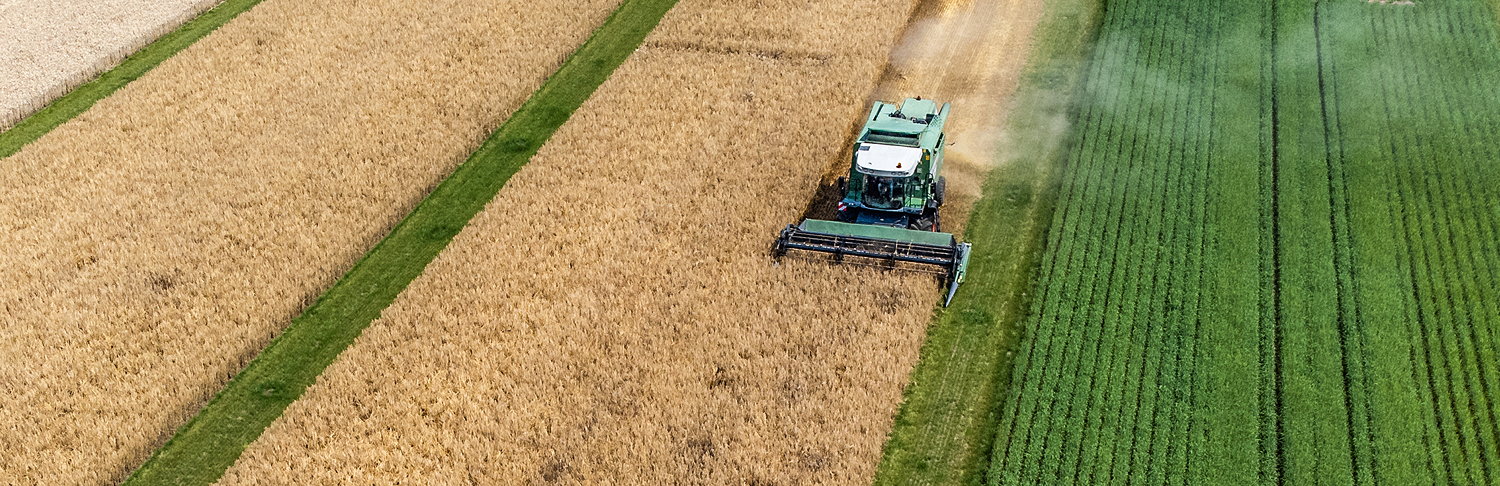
x,y
208,444
637,331
1330,274
151,246
80,98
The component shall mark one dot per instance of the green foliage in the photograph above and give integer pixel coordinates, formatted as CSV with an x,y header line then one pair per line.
x,y
209,443
1271,258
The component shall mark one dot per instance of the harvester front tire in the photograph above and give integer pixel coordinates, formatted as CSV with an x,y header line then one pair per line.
x,y
926,222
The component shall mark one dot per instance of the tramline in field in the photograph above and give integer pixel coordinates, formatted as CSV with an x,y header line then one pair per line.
x,y
891,196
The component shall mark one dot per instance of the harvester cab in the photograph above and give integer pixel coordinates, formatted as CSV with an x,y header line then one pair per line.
x,y
891,196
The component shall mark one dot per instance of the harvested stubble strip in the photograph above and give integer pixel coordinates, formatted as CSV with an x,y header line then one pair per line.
x,y
153,244
50,47
613,316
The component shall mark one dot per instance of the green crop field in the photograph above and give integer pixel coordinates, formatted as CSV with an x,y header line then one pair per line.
x,y
1274,253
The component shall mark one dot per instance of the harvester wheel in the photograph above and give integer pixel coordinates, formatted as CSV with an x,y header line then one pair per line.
x,y
939,190
926,222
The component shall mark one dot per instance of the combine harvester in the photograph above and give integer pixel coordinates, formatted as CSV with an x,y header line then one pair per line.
x,y
891,197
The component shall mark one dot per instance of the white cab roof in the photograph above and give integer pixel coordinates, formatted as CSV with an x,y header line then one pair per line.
x,y
887,160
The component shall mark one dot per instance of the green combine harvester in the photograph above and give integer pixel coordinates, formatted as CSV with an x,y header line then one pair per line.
x,y
891,196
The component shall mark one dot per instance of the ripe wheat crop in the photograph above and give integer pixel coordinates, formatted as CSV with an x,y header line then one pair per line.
x,y
613,316
153,244
50,47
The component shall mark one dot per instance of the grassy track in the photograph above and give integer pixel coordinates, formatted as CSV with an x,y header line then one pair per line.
x,y
135,66
209,443
947,421
1273,255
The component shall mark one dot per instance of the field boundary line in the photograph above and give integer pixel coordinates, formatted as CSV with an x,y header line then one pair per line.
x,y
209,443
84,96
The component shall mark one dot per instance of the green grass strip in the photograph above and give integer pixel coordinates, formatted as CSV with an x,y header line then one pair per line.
x,y
208,444
84,96
944,431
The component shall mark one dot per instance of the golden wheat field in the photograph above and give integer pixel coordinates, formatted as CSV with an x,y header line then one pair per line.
x,y
634,329
47,48
152,245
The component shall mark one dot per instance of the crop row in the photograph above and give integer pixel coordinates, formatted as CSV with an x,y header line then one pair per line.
x,y
156,242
